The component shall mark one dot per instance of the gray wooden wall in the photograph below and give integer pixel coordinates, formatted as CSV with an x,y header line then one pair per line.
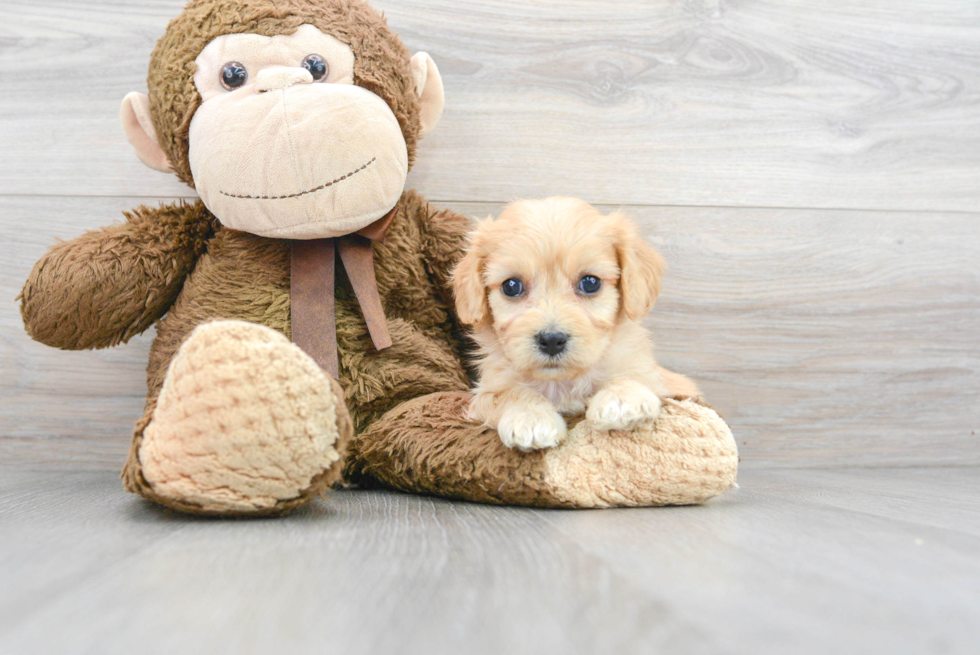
x,y
810,169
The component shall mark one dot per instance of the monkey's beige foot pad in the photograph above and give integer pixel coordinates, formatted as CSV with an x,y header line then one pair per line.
x,y
427,445
245,423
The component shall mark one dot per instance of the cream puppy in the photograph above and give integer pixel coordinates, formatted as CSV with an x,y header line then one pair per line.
x,y
554,290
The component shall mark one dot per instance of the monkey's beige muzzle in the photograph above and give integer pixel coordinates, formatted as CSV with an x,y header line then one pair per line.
x,y
332,158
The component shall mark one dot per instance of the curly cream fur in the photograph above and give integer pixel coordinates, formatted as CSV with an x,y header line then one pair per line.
x,y
607,369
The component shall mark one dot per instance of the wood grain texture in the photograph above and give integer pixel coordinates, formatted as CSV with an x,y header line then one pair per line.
x,y
869,561
826,338
697,102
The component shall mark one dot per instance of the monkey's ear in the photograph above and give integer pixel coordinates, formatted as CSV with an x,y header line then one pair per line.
x,y
428,87
136,121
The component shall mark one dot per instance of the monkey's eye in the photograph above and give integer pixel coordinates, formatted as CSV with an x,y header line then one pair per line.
x,y
512,288
589,285
317,66
233,75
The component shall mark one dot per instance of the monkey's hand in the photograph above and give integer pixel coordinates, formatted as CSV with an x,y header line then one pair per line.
x,y
108,285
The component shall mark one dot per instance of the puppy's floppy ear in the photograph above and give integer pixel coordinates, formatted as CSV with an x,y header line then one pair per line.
x,y
471,297
641,269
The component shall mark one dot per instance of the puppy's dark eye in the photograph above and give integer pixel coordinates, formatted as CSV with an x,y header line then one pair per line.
x,y
512,288
589,285
317,66
233,75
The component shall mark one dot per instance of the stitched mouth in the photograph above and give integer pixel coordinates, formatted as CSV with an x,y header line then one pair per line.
x,y
303,193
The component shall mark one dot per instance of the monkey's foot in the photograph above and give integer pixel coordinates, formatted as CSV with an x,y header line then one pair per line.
x,y
246,423
429,445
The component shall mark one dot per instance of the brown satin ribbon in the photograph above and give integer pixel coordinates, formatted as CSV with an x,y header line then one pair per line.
x,y
312,281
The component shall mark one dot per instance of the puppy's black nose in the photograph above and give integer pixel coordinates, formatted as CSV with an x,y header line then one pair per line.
x,y
552,343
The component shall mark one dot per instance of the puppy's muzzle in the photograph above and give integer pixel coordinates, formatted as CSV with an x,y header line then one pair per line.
x,y
552,343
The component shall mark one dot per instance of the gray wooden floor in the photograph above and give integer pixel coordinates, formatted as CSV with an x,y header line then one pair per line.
x,y
794,561
811,172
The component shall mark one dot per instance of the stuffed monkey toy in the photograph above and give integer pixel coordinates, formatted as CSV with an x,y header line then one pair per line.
x,y
306,333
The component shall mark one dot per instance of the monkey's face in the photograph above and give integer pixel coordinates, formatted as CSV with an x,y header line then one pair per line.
x,y
284,145
285,142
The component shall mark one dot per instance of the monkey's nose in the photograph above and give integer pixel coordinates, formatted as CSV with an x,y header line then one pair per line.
x,y
552,343
280,77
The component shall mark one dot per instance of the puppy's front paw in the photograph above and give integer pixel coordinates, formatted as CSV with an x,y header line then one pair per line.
x,y
529,428
622,407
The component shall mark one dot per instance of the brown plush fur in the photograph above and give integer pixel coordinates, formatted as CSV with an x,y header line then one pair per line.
x,y
122,278
92,292
178,261
106,286
381,65
689,458
177,266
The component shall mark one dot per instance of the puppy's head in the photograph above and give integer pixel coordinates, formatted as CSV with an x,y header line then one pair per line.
x,y
551,279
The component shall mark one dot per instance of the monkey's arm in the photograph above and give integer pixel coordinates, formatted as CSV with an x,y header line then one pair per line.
x,y
108,285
